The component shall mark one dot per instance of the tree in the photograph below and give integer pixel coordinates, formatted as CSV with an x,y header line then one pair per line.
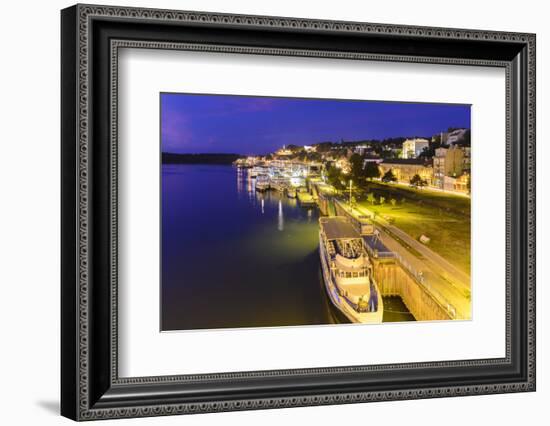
x,y
389,177
466,141
371,170
423,183
417,182
313,156
382,200
323,146
294,148
371,198
357,171
393,202
334,177
429,151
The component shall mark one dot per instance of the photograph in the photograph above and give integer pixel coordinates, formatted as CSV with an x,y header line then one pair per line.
x,y
284,211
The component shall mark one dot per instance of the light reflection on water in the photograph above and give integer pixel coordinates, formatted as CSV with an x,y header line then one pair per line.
x,y
235,257
280,217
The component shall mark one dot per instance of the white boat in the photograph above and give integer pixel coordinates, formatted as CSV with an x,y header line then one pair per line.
x,y
279,184
347,271
291,192
255,171
305,199
262,183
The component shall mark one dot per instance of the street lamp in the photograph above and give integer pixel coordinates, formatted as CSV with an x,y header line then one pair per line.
x,y
350,182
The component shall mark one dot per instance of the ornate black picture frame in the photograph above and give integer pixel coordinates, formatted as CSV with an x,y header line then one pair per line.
x,y
91,36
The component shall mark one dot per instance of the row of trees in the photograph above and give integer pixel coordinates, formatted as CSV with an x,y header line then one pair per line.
x,y
358,174
371,198
335,177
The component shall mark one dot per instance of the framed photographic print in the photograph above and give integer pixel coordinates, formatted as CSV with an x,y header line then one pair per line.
x,y
263,212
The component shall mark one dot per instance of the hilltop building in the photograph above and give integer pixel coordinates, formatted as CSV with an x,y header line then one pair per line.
x,y
447,162
283,152
361,149
467,161
413,147
455,136
457,184
449,138
371,159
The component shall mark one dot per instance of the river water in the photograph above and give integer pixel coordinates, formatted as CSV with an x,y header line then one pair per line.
x,y
233,257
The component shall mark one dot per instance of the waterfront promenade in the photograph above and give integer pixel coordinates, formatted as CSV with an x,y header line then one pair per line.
x,y
446,283
452,294
448,271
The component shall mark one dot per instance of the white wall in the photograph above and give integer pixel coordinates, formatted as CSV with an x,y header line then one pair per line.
x,y
29,211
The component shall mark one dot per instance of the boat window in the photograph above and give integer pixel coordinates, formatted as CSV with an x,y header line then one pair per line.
x,y
355,275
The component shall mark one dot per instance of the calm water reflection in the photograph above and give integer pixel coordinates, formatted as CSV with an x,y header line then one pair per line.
x,y
233,257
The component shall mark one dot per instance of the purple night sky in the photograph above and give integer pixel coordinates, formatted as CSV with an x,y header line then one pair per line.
x,y
259,125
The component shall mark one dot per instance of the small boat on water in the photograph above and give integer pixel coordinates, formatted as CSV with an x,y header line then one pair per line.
x,y
255,171
291,192
262,183
305,199
279,184
242,163
347,271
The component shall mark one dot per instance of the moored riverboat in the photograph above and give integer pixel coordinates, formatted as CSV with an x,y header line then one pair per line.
x,y
255,171
262,183
291,192
347,271
279,184
305,199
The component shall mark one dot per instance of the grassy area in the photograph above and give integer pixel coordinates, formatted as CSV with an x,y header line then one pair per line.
x,y
445,219
450,203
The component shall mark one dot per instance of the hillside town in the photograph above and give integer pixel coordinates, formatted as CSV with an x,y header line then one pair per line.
x,y
440,162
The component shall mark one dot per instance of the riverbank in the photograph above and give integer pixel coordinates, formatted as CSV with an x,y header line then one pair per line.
x,y
219,159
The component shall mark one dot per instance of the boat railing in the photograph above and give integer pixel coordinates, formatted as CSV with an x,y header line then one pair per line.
x,y
371,304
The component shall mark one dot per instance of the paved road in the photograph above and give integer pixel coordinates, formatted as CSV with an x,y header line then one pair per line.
x,y
450,272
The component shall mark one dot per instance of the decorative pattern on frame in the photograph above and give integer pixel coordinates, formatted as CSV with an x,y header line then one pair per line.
x,y
85,13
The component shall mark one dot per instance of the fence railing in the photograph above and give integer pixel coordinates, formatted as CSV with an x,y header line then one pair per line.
x,y
418,276
436,295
